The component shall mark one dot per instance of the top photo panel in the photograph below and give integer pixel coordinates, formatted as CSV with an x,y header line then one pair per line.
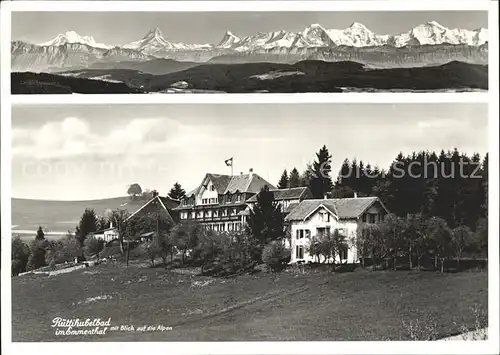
x,y
55,52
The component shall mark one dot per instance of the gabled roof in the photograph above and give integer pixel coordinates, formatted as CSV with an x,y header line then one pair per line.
x,y
103,230
293,193
231,184
165,202
220,182
344,208
169,202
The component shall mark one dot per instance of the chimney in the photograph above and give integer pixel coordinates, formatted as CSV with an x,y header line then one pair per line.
x,y
325,197
241,172
155,193
250,171
355,194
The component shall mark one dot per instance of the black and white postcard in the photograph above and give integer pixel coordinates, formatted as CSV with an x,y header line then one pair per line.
x,y
332,187
249,52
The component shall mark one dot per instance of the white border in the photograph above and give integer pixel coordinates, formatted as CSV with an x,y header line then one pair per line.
x,y
456,347
267,6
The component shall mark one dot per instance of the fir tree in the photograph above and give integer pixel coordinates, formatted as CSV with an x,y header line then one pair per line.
x,y
177,192
40,235
265,222
306,176
284,182
321,182
88,224
294,179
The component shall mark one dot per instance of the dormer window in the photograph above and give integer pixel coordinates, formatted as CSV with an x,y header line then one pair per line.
x,y
228,198
238,197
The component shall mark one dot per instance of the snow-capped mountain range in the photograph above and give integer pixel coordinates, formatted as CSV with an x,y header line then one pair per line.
x,y
315,35
426,44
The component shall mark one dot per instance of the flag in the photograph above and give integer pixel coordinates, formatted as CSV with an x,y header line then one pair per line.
x,y
229,162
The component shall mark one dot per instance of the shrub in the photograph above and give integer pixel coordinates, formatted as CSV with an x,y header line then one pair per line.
x,y
64,250
273,255
37,254
20,255
93,246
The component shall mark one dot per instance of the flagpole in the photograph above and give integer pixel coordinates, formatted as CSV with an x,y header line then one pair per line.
x,y
232,166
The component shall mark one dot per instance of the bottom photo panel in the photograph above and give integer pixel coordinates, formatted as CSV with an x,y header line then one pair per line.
x,y
249,222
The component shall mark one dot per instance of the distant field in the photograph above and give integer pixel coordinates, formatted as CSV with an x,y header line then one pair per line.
x,y
59,216
359,305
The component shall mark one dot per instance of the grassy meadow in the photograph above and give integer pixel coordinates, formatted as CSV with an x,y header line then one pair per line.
x,y
292,305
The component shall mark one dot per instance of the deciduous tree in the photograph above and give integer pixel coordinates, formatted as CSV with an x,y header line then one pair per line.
x,y
134,190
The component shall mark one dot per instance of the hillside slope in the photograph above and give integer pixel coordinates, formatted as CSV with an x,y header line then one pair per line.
x,y
59,216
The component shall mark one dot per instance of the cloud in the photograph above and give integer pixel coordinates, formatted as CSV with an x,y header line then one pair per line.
x,y
74,137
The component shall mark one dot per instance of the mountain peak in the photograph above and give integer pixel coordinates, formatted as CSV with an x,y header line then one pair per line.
x,y
315,25
436,24
356,26
154,33
228,40
73,37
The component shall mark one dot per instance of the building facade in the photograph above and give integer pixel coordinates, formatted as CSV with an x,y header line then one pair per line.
x,y
107,234
312,219
287,199
220,201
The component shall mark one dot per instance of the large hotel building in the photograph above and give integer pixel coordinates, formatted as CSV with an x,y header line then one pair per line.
x,y
222,202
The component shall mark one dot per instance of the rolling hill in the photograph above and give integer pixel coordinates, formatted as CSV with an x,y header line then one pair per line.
x,y
44,83
61,216
304,76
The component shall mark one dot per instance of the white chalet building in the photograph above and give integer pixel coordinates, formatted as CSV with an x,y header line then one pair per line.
x,y
313,218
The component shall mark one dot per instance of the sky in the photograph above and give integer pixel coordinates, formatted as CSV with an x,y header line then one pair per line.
x,y
83,152
119,28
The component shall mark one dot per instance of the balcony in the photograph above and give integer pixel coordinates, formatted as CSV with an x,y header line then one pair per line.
x,y
232,218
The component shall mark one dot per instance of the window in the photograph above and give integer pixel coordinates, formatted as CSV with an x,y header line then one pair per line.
x,y
228,198
235,211
193,214
212,188
299,252
216,213
301,232
324,217
322,232
238,197
371,218
222,227
364,218
343,253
